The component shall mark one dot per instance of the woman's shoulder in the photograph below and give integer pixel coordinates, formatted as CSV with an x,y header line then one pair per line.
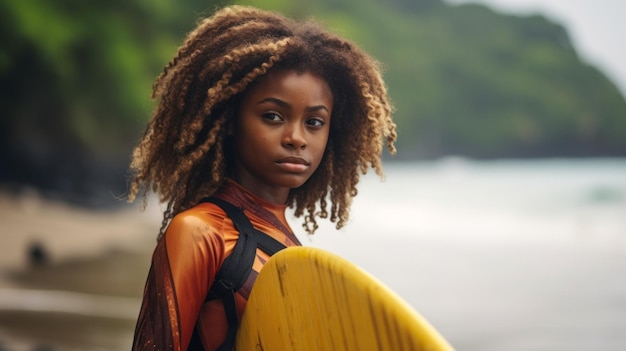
x,y
198,222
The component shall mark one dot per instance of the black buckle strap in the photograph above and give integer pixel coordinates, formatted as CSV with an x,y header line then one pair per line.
x,y
219,289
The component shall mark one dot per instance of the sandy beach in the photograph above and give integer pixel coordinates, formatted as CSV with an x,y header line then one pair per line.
x,y
86,293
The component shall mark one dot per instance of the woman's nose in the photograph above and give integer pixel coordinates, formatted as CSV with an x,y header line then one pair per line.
x,y
294,136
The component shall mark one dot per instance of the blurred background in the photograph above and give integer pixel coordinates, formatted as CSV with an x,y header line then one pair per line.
x,y
502,219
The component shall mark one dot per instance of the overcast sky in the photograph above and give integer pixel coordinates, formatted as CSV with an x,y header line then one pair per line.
x,y
597,28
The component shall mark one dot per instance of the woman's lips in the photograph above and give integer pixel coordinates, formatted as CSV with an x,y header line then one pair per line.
x,y
293,164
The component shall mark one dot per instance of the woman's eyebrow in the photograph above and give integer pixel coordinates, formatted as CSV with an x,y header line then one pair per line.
x,y
285,104
317,108
276,101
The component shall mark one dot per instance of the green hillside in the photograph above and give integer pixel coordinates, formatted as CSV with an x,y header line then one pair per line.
x,y
465,80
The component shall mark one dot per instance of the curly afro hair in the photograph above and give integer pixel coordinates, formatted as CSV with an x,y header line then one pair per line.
x,y
183,155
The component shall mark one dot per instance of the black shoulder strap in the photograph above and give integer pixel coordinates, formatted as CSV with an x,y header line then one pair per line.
x,y
237,266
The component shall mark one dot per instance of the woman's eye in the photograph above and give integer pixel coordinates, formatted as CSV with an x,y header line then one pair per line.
x,y
271,116
316,122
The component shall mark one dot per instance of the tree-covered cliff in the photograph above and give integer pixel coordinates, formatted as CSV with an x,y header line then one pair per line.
x,y
469,81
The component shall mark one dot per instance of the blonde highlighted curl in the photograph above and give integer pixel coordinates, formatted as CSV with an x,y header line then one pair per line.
x,y
183,156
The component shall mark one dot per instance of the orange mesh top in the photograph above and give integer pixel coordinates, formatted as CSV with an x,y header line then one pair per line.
x,y
184,265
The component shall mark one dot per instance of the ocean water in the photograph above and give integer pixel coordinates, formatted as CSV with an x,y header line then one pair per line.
x,y
498,255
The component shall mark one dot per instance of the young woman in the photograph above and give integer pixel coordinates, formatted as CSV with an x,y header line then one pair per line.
x,y
262,112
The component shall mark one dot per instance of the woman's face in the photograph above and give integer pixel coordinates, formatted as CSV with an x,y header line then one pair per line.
x,y
282,131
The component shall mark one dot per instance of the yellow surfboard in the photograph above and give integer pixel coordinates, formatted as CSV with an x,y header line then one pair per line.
x,y
310,299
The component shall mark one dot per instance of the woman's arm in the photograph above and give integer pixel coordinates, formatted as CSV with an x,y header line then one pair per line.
x,y
183,268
